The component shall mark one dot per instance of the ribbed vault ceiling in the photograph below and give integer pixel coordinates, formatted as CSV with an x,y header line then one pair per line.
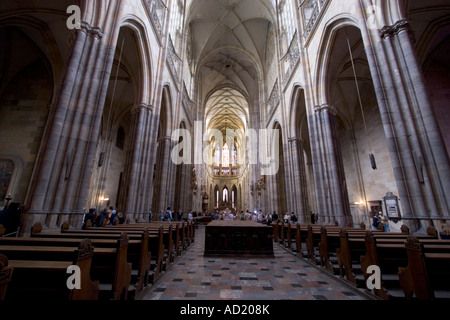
x,y
226,109
228,53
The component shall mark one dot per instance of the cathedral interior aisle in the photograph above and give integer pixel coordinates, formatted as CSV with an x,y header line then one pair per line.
x,y
284,277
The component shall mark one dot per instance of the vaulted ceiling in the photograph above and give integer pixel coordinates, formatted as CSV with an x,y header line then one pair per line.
x,y
229,40
226,109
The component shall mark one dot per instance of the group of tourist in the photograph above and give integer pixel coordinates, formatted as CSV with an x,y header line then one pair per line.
x,y
169,215
379,218
107,217
256,216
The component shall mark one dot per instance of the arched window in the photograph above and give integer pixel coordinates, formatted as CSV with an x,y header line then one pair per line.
x,y
225,156
235,156
225,195
216,196
232,199
217,156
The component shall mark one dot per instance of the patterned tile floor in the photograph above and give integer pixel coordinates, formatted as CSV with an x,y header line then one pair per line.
x,y
285,277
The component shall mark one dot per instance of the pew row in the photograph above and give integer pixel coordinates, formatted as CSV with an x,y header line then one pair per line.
x,y
6,272
137,252
348,252
427,275
45,276
145,251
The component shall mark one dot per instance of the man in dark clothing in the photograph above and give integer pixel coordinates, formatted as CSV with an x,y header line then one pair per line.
x,y
274,216
90,216
375,222
10,217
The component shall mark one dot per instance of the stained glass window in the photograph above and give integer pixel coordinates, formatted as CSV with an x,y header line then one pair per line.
x,y
225,156
235,156
217,156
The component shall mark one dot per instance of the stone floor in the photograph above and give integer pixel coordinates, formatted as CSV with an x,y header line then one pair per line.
x,y
285,277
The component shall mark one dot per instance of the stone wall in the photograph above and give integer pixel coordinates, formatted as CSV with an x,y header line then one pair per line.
x,y
24,107
438,82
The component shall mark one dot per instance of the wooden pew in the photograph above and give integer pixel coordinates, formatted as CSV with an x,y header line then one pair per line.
x,y
183,232
312,244
427,275
116,276
187,232
294,240
39,279
328,246
119,276
173,237
316,235
349,256
276,231
155,243
283,234
138,253
388,257
167,235
6,272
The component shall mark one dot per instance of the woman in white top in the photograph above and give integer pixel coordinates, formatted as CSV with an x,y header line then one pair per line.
x,y
287,217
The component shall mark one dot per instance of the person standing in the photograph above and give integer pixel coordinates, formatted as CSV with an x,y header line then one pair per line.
x,y
150,215
274,216
375,222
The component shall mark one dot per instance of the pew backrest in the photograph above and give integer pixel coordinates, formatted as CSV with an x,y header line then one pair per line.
x,y
6,272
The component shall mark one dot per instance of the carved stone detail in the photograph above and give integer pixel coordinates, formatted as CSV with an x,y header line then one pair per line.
x,y
390,31
91,31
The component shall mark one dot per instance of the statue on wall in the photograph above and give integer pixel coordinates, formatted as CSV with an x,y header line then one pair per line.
x,y
261,184
194,185
203,188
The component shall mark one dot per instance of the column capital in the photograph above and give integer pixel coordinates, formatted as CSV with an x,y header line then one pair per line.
x,y
326,107
164,138
299,141
141,107
89,30
393,30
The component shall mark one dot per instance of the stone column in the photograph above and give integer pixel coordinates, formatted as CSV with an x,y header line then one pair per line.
x,y
420,161
62,173
164,187
288,178
318,169
333,186
299,186
139,168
